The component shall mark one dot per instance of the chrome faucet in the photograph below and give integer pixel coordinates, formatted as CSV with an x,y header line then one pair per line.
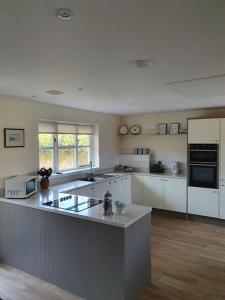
x,y
91,174
91,167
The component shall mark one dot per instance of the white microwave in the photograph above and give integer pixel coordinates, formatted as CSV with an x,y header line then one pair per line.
x,y
21,186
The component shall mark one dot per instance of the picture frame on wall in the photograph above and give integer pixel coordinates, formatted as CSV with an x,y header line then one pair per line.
x,y
174,128
162,128
14,138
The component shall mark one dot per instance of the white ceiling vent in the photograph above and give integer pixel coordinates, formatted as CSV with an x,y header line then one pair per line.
x,y
205,87
54,92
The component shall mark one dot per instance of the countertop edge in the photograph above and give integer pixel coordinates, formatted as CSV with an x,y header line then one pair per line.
x,y
79,216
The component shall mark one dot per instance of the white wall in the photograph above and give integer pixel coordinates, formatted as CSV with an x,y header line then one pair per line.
x,y
164,148
18,113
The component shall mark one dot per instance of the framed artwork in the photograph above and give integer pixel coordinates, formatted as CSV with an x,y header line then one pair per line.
x,y
14,138
162,128
174,128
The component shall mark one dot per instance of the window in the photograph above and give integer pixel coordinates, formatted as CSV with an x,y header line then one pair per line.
x,y
65,147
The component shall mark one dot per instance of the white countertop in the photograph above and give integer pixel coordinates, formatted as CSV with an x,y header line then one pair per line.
x,y
132,212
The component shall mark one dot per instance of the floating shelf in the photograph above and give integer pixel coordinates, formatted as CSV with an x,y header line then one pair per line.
x,y
152,134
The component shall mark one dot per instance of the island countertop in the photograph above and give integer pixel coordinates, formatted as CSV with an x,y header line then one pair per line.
x,y
132,212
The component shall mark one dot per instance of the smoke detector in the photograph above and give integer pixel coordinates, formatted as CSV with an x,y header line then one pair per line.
x,y
141,63
64,13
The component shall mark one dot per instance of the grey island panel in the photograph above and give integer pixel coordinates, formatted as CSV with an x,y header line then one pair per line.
x,y
93,260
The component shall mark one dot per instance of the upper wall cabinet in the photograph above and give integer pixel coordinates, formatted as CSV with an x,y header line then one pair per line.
x,y
203,131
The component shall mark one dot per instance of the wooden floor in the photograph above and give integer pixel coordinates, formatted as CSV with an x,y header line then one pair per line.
x,y
188,263
188,260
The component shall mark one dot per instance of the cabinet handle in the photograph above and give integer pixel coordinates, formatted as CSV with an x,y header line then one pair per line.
x,y
114,181
166,179
215,192
161,179
110,182
222,184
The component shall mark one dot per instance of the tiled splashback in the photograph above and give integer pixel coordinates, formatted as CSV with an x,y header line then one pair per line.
x,y
136,161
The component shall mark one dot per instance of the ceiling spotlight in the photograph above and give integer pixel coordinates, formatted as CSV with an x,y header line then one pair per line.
x,y
141,63
80,89
64,13
34,96
54,92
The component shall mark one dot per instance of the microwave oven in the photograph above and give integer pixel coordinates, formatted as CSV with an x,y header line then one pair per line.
x,y
21,187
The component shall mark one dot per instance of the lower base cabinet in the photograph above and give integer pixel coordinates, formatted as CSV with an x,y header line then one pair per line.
x,y
137,189
175,194
203,202
120,188
153,192
222,200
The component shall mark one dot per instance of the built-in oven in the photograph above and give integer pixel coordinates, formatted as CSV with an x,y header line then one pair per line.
x,y
203,153
203,166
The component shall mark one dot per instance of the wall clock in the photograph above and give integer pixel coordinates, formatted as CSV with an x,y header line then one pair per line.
x,y
135,129
123,130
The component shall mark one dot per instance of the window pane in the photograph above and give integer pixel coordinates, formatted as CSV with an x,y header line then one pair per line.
x,y
45,140
83,140
66,139
46,158
83,155
66,159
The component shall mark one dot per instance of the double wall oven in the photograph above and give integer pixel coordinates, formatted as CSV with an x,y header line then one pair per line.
x,y
203,165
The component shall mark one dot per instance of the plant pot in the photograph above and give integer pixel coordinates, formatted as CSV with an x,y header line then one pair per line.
x,y
44,184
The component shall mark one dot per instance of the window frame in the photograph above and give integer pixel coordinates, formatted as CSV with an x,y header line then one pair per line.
x,y
75,147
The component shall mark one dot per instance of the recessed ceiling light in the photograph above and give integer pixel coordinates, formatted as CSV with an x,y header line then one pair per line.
x,y
131,104
141,63
93,107
54,92
80,89
34,96
64,13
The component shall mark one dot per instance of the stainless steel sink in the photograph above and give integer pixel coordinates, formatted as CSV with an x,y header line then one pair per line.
x,y
97,178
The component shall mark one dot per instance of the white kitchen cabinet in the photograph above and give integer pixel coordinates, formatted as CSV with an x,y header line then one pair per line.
x,y
222,200
86,191
100,189
175,194
153,191
222,150
137,190
120,188
203,202
204,131
127,189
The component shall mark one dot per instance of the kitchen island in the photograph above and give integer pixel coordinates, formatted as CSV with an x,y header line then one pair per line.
x,y
91,255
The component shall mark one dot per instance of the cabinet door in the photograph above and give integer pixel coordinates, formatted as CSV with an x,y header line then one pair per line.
x,y
87,191
100,189
116,189
203,202
175,195
137,189
127,189
203,131
153,191
222,150
222,200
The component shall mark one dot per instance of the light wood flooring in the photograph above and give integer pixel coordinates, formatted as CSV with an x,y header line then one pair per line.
x,y
188,260
188,263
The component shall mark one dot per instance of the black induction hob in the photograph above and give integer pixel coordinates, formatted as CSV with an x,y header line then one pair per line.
x,y
72,202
